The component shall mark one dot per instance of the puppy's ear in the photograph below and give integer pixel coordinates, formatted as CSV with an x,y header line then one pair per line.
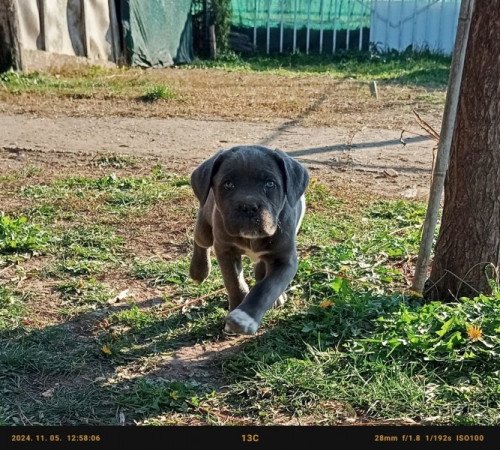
x,y
201,178
295,175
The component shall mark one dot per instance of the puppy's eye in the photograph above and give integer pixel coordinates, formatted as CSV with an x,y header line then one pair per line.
x,y
270,184
228,185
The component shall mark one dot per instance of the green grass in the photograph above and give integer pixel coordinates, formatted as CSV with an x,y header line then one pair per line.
x,y
115,161
384,357
158,92
352,341
19,235
28,171
405,68
160,273
46,213
47,351
95,242
74,267
84,291
149,397
117,194
11,308
85,250
89,83
396,228
81,295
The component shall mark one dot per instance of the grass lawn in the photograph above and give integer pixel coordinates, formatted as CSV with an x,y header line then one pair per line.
x,y
405,68
326,91
100,324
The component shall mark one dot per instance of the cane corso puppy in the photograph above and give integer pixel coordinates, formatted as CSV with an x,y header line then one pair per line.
x,y
251,203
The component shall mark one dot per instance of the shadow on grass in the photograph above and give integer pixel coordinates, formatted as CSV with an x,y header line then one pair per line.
x,y
414,68
107,367
60,374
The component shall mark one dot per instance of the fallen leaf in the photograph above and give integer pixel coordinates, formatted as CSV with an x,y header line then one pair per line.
x,y
123,294
106,350
50,392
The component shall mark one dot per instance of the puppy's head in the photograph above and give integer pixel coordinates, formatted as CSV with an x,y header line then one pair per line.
x,y
251,185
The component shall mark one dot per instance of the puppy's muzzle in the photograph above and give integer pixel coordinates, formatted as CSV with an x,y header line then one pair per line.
x,y
251,219
249,209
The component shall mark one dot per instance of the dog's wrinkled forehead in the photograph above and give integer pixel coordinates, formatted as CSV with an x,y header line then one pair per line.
x,y
251,161
247,163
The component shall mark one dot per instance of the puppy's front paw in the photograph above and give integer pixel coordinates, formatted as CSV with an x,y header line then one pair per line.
x,y
199,271
240,322
199,268
280,301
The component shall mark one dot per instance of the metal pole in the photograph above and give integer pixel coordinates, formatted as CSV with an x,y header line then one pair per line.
x,y
334,44
255,25
43,28
115,33
349,21
361,26
308,30
86,31
294,26
444,147
373,21
321,28
281,25
268,32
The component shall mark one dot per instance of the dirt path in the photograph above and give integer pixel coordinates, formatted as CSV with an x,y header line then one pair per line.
x,y
377,158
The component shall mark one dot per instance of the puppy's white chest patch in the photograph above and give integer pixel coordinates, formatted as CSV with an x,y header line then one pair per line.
x,y
254,256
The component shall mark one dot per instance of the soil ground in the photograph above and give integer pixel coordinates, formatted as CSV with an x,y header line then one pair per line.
x,y
61,136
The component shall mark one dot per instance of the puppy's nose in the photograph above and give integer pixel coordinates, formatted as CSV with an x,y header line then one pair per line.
x,y
248,207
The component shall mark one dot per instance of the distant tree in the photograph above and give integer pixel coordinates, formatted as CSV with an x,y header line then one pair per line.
x,y
467,253
222,20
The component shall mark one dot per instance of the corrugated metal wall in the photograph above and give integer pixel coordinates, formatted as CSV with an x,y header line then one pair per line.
x,y
423,24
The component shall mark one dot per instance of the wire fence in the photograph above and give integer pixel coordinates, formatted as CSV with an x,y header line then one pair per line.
x,y
322,26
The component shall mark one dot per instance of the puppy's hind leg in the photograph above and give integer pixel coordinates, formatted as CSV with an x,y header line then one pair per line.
x,y
232,273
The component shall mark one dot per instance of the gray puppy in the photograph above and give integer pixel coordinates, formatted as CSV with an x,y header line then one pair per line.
x,y
251,203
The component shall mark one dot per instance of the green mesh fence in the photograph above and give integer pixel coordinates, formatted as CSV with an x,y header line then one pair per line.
x,y
313,14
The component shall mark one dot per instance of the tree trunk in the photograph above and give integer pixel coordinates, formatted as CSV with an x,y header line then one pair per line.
x,y
467,252
10,46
